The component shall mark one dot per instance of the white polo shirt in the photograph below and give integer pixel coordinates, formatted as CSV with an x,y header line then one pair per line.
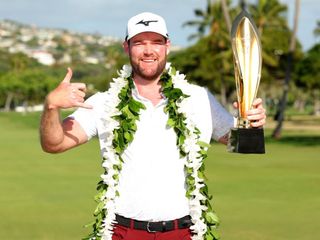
x,y
152,179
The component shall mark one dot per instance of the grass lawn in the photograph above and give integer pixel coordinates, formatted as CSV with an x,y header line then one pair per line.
x,y
257,197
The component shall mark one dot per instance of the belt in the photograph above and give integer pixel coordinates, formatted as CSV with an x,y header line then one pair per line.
x,y
162,226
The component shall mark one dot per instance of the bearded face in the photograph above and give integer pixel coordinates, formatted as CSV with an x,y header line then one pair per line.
x,y
148,55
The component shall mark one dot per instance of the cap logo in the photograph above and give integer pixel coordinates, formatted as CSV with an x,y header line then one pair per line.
x,y
146,23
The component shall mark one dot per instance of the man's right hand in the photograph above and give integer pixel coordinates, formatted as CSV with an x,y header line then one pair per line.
x,y
67,94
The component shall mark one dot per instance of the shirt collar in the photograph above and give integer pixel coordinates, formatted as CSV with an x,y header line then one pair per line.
x,y
137,96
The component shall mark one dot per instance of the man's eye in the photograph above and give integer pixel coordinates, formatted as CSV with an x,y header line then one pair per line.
x,y
159,42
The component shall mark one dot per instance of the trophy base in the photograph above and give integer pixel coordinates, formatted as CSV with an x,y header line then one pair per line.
x,y
246,140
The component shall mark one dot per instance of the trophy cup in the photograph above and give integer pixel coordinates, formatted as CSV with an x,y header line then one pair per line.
x,y
246,49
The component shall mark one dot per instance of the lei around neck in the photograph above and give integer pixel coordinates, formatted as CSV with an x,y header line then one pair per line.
x,y
121,113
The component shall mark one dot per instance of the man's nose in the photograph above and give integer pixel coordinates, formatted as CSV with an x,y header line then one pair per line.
x,y
147,48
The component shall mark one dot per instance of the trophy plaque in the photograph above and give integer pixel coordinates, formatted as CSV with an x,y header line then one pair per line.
x,y
246,49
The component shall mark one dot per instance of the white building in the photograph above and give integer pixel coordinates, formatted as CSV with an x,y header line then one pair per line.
x,y
43,57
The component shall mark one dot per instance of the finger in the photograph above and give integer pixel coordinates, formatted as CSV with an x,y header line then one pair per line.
x,y
257,103
68,76
259,123
83,105
235,105
236,109
255,111
79,93
77,98
79,86
256,117
256,114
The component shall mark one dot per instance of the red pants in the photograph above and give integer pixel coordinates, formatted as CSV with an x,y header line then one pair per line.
x,y
123,233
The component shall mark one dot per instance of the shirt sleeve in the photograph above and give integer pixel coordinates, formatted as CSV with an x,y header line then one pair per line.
x,y
87,117
222,120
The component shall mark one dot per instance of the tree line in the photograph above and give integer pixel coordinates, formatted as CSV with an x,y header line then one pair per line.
x,y
25,82
208,62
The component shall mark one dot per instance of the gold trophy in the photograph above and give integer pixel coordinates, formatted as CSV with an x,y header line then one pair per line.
x,y
246,49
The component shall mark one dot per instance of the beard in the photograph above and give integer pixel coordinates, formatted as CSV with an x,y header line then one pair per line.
x,y
148,73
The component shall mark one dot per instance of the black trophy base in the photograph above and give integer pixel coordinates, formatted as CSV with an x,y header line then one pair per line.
x,y
246,140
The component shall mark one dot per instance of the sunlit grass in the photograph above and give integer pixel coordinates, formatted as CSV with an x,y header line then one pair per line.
x,y
257,197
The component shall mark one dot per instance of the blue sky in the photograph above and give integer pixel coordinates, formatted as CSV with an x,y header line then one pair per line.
x,y
109,17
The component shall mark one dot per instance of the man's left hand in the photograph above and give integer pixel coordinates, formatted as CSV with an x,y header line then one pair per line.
x,y
257,115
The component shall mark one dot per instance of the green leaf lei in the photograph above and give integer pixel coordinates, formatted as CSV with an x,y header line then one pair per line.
x,y
206,222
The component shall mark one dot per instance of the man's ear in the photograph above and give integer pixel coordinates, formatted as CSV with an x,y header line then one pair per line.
x,y
168,43
125,46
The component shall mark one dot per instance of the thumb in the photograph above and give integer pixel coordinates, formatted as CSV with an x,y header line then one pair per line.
x,y
235,105
68,76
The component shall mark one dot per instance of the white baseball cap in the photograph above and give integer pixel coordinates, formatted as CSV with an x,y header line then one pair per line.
x,y
146,22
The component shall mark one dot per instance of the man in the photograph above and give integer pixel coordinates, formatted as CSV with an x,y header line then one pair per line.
x,y
149,137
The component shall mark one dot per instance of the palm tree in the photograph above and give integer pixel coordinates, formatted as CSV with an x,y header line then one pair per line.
x,y
277,131
215,22
269,16
268,13
226,14
205,19
316,31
